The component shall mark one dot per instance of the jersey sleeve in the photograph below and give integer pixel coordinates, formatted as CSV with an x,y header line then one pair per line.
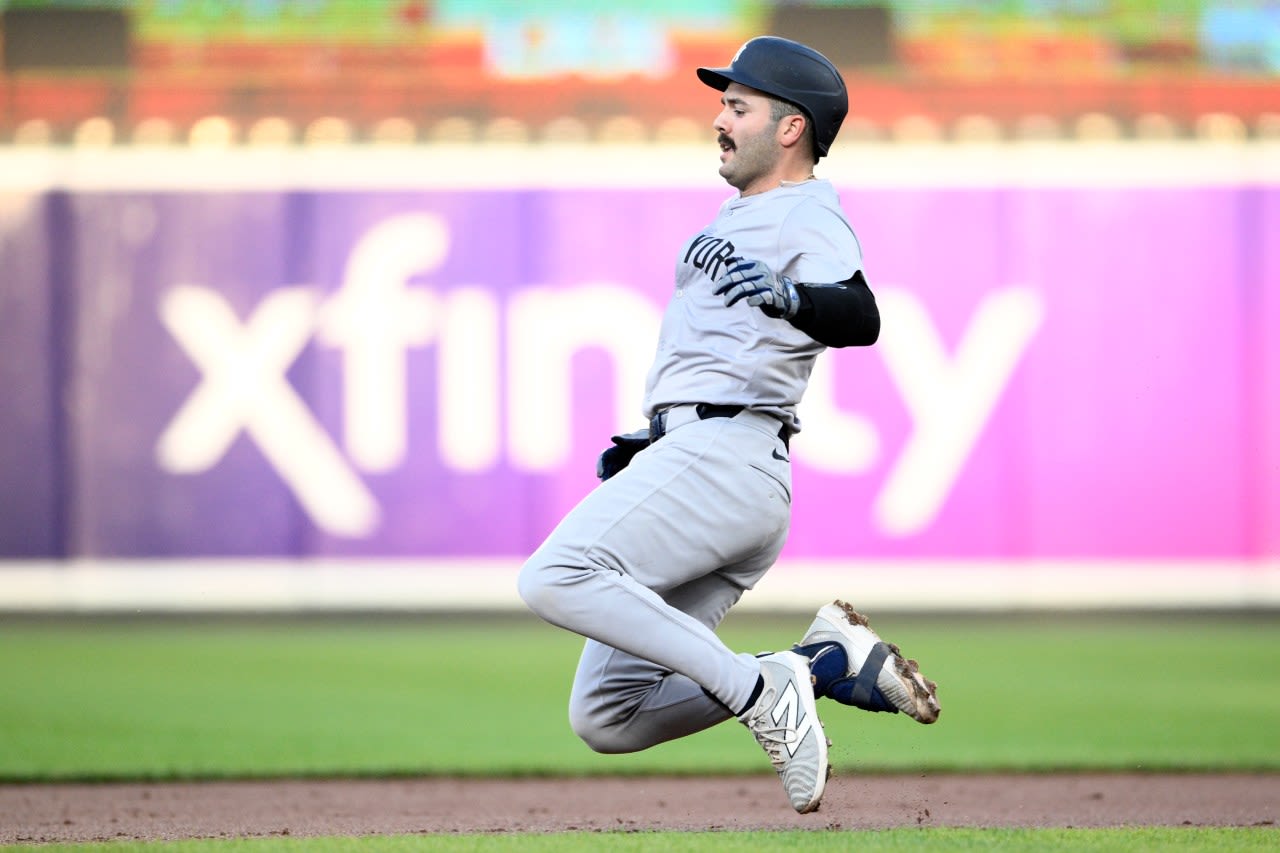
x,y
817,244
837,308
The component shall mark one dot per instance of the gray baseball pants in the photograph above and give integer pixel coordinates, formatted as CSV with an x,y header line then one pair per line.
x,y
649,563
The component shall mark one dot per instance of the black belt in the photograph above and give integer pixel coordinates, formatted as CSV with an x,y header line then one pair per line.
x,y
706,411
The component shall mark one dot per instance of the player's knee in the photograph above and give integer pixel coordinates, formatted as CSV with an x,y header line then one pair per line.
x,y
608,723
545,584
535,588
603,738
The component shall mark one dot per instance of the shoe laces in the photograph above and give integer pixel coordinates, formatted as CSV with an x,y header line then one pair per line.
x,y
773,745
773,739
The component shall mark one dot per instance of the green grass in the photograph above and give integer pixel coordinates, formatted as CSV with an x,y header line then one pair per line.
x,y
1075,840
106,699
156,699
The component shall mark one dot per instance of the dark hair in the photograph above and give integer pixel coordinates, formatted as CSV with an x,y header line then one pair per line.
x,y
780,109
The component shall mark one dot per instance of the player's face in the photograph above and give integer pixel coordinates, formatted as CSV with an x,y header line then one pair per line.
x,y
749,149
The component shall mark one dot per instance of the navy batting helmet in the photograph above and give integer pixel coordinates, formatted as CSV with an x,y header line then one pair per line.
x,y
793,72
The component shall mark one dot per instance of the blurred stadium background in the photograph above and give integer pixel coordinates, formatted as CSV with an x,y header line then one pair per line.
x,y
159,71
317,304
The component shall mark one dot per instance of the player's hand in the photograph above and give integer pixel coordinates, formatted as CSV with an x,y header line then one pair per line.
x,y
753,281
619,456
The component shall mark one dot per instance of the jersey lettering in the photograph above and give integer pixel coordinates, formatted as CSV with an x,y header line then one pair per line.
x,y
709,254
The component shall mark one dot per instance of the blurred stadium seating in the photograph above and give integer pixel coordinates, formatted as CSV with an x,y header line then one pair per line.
x,y
337,71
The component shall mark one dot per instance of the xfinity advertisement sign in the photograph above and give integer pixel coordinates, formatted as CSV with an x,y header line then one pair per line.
x,y
433,372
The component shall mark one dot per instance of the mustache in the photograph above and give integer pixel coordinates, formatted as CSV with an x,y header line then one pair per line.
x,y
724,140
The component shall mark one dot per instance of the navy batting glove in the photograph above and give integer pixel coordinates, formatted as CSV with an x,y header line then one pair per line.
x,y
619,456
753,281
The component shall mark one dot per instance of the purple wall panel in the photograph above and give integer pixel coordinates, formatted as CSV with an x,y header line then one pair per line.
x,y
1135,384
131,376
1262,365
30,407
1120,432
947,251
466,241
1063,373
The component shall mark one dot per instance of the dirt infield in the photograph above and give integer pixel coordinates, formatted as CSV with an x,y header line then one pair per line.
x,y
80,812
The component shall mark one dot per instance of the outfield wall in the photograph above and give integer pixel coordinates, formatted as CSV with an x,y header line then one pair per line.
x,y
377,378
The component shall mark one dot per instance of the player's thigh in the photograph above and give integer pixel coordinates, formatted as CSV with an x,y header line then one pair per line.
x,y
685,508
605,675
725,511
710,597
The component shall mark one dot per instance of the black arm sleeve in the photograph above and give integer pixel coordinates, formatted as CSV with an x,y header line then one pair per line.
x,y
839,315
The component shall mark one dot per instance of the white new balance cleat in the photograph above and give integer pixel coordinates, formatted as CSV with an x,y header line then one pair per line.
x,y
785,722
874,663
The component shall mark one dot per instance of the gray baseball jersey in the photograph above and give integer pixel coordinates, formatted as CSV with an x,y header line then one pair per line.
x,y
738,356
649,563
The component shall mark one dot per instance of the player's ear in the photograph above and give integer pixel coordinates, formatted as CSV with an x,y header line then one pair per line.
x,y
791,129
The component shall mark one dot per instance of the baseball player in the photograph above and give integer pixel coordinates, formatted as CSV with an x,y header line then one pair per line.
x,y
695,509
